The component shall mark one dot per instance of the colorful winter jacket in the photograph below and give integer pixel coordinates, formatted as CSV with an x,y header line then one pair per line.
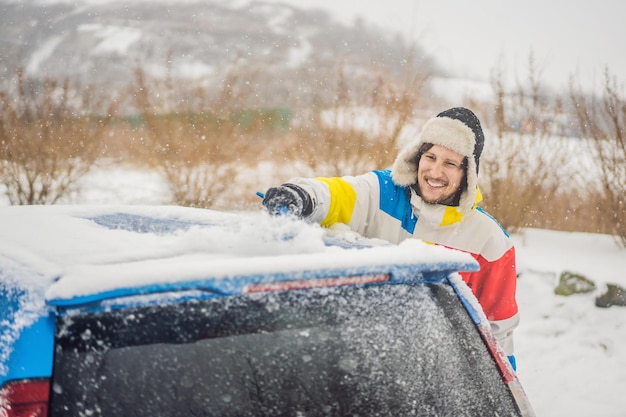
x,y
374,206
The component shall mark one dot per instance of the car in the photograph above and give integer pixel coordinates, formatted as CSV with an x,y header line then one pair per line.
x,y
175,311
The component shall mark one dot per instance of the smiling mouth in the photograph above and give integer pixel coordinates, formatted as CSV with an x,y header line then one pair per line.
x,y
436,184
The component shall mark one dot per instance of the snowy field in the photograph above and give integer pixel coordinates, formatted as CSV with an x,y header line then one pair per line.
x,y
571,355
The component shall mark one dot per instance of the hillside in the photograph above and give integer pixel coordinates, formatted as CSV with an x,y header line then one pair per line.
x,y
274,46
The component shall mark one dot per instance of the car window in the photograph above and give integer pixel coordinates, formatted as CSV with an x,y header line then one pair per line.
x,y
349,351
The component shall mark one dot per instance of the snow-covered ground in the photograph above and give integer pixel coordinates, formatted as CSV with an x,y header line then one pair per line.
x,y
571,354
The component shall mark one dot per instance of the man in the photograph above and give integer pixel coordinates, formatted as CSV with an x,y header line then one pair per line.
x,y
432,194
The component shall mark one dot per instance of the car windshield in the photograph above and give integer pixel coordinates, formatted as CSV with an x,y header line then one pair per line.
x,y
346,351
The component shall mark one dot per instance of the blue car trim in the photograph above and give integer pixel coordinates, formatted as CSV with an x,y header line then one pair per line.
x,y
476,317
32,352
224,286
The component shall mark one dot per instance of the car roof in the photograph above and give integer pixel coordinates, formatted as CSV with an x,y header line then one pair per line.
x,y
77,254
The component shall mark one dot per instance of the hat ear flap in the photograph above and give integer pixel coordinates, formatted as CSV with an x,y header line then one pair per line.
x,y
404,169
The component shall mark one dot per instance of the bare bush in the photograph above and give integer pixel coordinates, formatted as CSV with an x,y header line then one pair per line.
x,y
362,128
203,138
192,137
50,136
603,121
524,165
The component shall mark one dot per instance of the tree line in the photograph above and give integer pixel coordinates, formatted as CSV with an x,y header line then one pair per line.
x,y
554,161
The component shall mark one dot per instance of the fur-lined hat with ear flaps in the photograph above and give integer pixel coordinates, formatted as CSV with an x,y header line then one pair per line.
x,y
457,129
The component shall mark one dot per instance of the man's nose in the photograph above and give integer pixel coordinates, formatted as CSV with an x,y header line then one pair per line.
x,y
437,169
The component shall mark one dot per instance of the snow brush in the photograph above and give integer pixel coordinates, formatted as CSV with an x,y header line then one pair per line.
x,y
282,210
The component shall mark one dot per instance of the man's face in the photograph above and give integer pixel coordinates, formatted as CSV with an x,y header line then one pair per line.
x,y
440,174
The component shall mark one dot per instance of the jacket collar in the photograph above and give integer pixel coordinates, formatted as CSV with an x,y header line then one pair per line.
x,y
439,214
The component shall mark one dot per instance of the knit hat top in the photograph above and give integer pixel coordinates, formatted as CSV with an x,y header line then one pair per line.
x,y
469,119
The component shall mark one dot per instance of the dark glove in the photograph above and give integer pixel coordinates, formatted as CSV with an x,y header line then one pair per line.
x,y
288,199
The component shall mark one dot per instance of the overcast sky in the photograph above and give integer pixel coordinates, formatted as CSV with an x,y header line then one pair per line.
x,y
472,37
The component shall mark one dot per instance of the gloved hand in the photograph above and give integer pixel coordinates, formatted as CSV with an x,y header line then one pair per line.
x,y
288,199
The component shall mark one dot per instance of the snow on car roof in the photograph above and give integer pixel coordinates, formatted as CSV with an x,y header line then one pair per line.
x,y
73,251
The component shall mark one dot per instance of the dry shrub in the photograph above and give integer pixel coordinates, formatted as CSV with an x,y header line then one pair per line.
x,y
580,210
50,136
603,122
192,138
208,141
524,166
556,163
361,129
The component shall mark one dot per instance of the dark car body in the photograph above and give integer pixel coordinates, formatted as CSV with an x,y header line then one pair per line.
x,y
167,311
